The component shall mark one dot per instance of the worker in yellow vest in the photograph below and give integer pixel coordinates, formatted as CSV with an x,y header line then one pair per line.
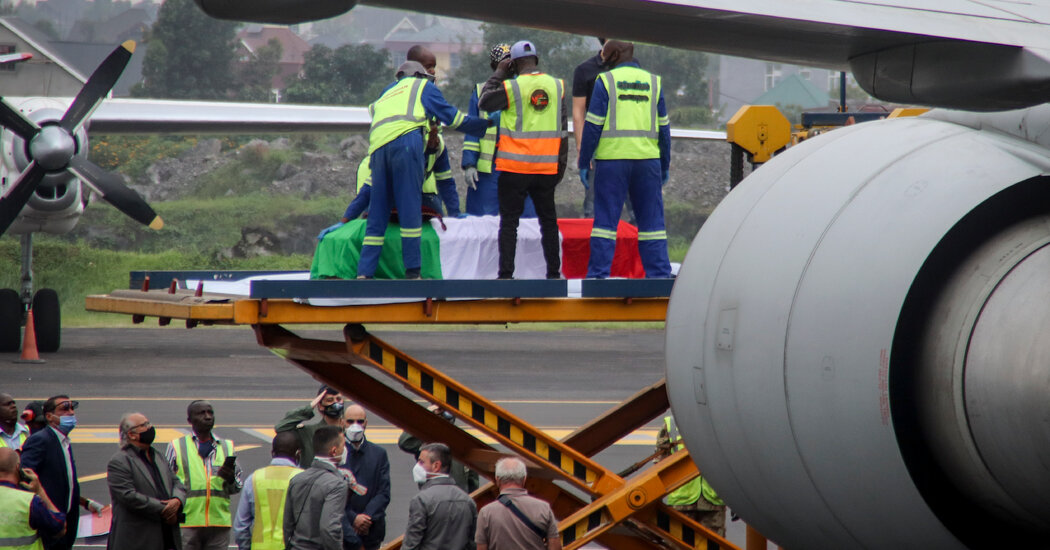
x,y
12,432
25,510
205,465
532,150
396,141
695,499
628,135
260,513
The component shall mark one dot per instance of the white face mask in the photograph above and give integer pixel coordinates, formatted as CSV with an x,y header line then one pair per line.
x,y
338,459
419,475
355,433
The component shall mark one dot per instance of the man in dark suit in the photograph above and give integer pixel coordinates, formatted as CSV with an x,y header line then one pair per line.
x,y
49,454
145,493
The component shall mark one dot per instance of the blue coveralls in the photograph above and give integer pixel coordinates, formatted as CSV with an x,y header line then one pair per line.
x,y
397,180
613,180
484,201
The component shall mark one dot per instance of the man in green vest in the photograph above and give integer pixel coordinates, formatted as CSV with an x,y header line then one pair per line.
x,y
260,513
200,462
12,432
628,135
25,510
396,141
695,499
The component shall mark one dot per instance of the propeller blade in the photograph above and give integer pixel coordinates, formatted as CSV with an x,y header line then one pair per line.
x,y
97,87
14,120
12,203
112,189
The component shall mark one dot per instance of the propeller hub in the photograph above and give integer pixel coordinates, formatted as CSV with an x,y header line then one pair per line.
x,y
52,148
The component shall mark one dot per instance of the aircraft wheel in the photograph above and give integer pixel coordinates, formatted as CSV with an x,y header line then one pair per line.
x,y
10,320
47,320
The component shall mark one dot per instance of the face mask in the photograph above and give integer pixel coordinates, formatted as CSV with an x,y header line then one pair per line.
x,y
355,433
338,459
148,436
419,475
335,410
66,424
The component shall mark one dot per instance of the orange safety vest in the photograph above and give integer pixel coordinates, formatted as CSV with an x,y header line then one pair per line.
x,y
531,127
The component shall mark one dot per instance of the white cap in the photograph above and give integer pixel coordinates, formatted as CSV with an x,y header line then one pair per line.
x,y
523,48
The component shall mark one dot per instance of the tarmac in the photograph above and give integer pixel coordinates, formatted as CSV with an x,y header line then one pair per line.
x,y
556,380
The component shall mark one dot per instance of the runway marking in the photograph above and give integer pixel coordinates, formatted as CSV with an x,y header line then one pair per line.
x,y
389,436
92,477
300,400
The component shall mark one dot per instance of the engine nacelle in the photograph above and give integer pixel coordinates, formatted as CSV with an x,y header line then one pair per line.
x,y
856,342
283,12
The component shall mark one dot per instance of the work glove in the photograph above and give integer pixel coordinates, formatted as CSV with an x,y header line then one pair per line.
x,y
95,507
585,177
664,176
470,174
461,215
328,230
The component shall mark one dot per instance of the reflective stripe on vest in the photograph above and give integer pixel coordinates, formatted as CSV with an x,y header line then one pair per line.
x,y
270,487
631,127
530,135
487,143
15,532
207,504
430,178
690,492
22,436
364,173
398,111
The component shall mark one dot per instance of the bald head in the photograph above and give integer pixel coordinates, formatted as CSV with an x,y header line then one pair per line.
x,y
615,52
355,414
423,56
9,462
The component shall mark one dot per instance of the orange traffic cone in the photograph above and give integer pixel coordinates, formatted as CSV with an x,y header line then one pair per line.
x,y
29,352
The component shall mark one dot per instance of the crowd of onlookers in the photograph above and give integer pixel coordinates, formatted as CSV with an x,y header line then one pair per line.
x,y
326,487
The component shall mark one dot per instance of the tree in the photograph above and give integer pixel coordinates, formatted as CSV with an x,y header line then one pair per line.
x,y
190,55
347,75
255,76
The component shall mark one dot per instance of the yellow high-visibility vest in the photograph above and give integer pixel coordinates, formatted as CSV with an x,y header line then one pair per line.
x,y
530,129
270,486
690,492
630,128
207,503
15,532
398,111
486,146
22,436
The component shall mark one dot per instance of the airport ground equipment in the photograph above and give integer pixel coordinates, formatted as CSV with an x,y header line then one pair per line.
x,y
592,502
758,132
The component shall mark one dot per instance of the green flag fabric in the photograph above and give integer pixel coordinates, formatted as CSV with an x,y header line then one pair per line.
x,y
337,254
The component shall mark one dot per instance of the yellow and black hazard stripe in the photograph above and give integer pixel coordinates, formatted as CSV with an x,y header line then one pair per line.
x,y
528,438
577,531
683,532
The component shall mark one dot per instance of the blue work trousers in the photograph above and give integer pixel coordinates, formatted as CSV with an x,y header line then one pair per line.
x,y
397,180
640,180
484,201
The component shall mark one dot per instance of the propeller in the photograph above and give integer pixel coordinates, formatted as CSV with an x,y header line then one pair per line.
x,y
52,148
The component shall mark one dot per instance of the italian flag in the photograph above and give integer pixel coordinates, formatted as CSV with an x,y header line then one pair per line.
x,y
468,248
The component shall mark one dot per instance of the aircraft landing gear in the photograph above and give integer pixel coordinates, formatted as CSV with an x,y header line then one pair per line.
x,y
47,320
10,320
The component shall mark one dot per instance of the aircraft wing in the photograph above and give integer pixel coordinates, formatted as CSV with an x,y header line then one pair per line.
x,y
142,116
966,54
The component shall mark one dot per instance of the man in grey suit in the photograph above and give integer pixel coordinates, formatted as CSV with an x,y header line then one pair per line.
x,y
313,509
146,495
442,516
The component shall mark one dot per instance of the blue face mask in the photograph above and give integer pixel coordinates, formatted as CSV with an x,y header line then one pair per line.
x,y
66,424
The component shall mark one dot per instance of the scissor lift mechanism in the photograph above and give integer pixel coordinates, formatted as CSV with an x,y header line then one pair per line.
x,y
591,502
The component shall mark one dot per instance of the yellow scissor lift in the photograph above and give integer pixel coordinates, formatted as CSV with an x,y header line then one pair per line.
x,y
591,502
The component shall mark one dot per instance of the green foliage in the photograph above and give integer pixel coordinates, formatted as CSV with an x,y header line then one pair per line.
x,y
683,220
693,116
131,155
255,77
190,55
254,167
347,75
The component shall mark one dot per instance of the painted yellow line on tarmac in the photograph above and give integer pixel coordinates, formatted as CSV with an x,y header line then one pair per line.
x,y
388,436
92,477
300,400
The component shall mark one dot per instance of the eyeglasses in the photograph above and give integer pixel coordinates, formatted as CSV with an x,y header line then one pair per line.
x,y
145,424
67,406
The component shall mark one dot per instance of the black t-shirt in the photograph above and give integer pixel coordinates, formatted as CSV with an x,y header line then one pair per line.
x,y
584,76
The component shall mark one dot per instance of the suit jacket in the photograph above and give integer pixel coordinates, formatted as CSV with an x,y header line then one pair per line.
x,y
136,499
43,453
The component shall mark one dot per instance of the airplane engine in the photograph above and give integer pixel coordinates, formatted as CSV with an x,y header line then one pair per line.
x,y
283,12
856,344
59,191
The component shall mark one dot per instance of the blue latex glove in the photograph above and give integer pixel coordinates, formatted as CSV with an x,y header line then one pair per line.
x,y
585,177
328,230
461,215
666,175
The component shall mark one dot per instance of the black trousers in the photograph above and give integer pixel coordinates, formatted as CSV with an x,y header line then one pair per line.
x,y
513,189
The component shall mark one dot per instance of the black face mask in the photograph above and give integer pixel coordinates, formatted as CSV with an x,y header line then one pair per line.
x,y
335,410
148,436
